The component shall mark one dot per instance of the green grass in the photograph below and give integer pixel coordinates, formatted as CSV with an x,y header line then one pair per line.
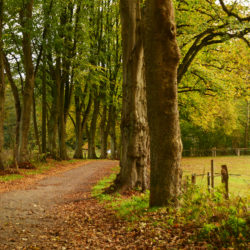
x,y
41,167
11,177
239,182
217,221
39,170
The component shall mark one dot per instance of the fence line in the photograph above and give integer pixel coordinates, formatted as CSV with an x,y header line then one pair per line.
x,y
216,152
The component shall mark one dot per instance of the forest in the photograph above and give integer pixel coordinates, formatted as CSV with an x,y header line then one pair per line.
x,y
140,82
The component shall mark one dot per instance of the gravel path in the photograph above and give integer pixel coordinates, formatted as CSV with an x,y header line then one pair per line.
x,y
26,210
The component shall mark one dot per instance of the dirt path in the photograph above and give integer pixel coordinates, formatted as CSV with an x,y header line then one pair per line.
x,y
59,212
24,212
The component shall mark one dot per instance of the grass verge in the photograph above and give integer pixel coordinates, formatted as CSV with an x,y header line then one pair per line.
x,y
40,168
205,217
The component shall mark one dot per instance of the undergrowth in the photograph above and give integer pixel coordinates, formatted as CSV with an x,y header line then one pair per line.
x,y
219,222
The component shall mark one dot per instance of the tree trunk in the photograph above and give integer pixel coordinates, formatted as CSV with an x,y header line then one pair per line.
x,y
26,16
2,88
246,137
113,143
92,130
79,131
44,108
104,131
61,123
35,125
53,121
134,128
162,57
18,109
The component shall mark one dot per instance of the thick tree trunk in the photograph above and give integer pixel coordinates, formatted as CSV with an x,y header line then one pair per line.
x,y
162,57
26,16
134,128
2,88
92,131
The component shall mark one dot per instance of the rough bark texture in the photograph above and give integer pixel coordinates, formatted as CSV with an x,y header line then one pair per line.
x,y
134,128
162,57
25,18
2,88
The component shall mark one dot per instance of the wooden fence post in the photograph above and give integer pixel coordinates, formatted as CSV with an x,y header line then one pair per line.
x,y
186,182
214,152
238,152
208,181
212,174
224,179
193,179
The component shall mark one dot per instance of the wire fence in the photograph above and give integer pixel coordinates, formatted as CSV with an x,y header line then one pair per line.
x,y
216,152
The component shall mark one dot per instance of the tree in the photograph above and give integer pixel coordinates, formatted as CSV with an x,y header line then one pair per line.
x,y
2,87
26,23
161,59
134,127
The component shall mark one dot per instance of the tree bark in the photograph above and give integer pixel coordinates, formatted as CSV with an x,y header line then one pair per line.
x,y
134,128
92,130
18,108
25,17
44,107
35,125
246,137
104,131
79,143
2,88
53,121
80,124
162,58
113,141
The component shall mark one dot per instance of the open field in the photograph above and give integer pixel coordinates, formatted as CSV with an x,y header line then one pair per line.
x,y
238,168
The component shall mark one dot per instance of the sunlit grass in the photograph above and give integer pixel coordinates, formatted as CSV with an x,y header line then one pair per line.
x,y
10,177
40,168
238,168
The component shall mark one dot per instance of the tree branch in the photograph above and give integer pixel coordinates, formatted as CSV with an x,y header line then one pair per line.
x,y
230,13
